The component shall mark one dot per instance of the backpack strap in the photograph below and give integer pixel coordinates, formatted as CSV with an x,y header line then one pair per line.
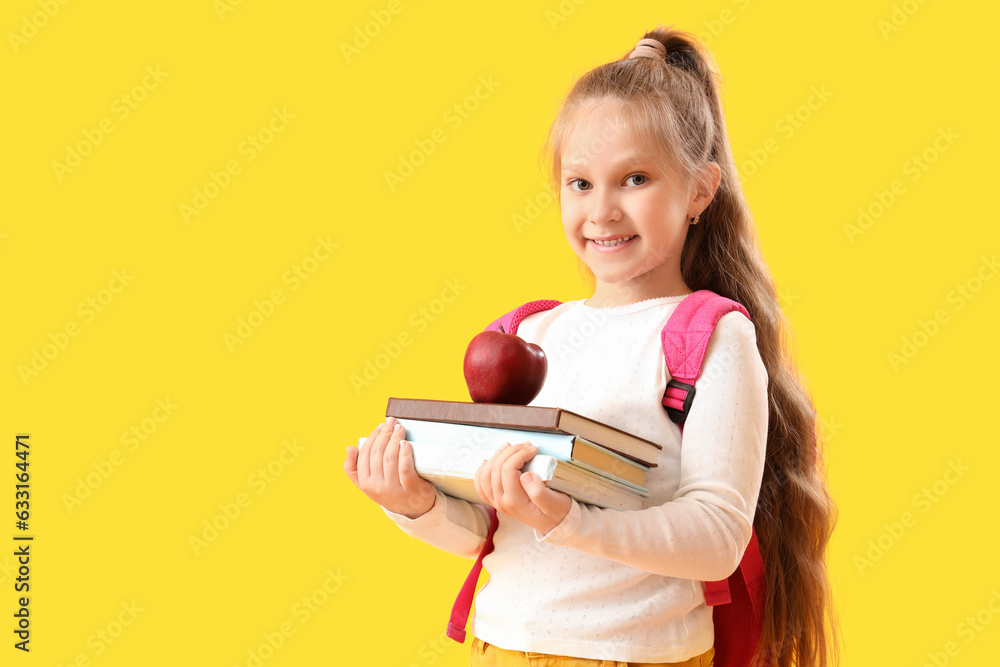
x,y
512,320
738,624
463,604
460,610
685,339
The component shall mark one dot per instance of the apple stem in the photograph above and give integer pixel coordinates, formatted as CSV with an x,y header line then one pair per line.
x,y
501,328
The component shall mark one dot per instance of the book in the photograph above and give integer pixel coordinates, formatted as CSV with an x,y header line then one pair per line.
x,y
454,475
562,446
527,418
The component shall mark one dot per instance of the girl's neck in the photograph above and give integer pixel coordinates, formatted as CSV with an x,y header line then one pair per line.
x,y
609,295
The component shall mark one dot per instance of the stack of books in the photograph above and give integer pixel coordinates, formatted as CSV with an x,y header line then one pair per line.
x,y
590,461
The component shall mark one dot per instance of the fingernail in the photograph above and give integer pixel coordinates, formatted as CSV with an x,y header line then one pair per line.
x,y
397,427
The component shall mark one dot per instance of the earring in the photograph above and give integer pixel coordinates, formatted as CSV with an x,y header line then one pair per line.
x,y
694,220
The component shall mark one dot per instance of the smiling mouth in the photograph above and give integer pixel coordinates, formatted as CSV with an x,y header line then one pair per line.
x,y
613,242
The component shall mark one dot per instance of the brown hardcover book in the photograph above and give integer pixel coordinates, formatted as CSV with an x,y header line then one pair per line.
x,y
527,418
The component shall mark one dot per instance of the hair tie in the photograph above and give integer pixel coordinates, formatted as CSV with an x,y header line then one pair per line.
x,y
649,48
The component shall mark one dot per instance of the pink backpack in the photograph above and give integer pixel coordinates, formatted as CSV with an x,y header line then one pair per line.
x,y
738,601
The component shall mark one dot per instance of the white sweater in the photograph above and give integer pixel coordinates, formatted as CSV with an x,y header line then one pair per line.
x,y
625,585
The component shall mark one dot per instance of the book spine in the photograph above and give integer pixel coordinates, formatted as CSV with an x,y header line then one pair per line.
x,y
613,478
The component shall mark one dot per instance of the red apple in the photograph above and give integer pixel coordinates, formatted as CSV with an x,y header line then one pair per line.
x,y
502,368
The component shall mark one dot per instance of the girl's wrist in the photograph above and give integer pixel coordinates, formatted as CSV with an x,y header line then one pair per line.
x,y
417,515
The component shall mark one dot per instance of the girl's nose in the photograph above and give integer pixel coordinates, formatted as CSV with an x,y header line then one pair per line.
x,y
605,208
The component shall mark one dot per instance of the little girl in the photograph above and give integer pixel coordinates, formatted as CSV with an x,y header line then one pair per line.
x,y
651,204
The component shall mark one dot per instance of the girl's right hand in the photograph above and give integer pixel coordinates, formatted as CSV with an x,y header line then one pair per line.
x,y
384,471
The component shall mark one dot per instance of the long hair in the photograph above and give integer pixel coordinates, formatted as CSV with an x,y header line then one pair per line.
x,y
673,104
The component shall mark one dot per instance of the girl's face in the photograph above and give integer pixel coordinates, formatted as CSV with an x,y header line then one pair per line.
x,y
624,215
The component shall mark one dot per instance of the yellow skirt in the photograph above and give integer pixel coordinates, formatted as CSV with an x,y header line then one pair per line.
x,y
488,655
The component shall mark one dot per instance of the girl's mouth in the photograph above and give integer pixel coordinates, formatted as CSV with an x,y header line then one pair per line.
x,y
612,243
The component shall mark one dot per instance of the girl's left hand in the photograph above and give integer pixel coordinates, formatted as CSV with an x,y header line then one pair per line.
x,y
522,496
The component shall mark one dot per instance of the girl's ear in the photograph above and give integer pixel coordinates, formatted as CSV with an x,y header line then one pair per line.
x,y
706,185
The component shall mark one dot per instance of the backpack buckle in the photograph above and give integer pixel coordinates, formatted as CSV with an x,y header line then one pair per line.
x,y
672,399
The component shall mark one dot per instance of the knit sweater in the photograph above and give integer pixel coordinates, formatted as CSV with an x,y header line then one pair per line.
x,y
625,585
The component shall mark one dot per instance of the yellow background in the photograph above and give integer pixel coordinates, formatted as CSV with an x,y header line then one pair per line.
x,y
892,429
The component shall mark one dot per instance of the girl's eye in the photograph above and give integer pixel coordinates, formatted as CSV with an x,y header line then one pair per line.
x,y
580,185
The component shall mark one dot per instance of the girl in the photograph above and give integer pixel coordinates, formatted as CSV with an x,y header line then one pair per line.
x,y
651,204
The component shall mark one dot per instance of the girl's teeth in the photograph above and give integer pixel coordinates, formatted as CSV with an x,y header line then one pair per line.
x,y
615,242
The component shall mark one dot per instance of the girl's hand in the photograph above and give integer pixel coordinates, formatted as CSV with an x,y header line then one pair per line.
x,y
384,471
522,496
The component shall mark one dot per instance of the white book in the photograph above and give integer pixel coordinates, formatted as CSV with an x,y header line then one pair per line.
x,y
452,470
565,447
